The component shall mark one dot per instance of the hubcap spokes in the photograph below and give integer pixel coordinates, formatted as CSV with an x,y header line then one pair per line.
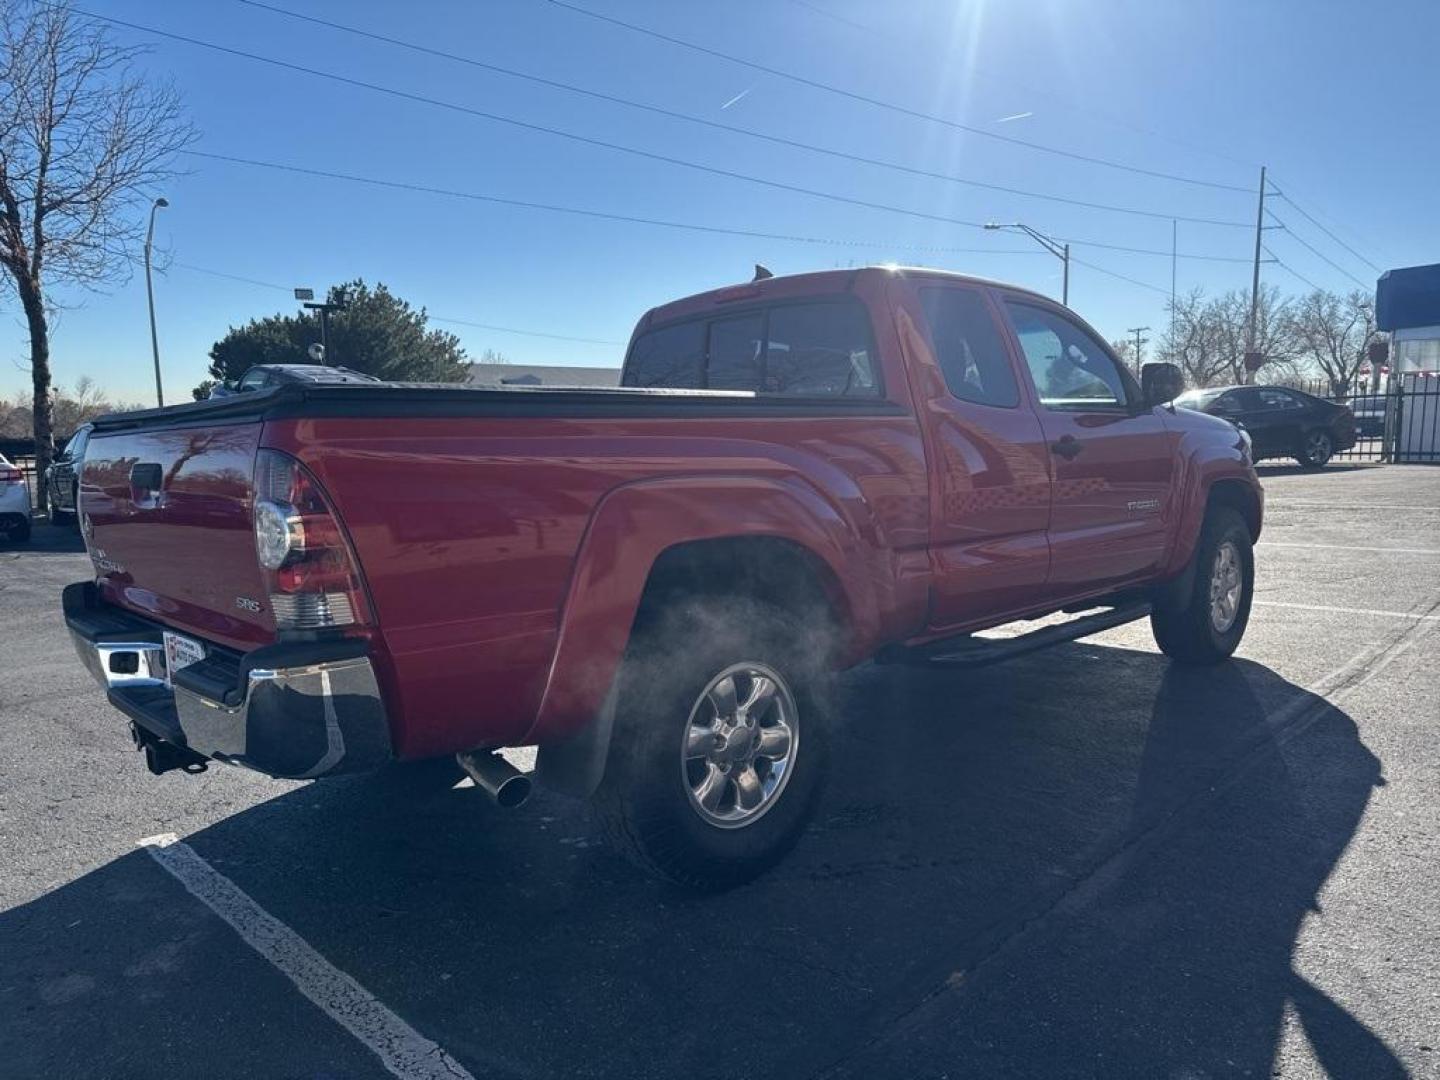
x,y
1226,583
739,745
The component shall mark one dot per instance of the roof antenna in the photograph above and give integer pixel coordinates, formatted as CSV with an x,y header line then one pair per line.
x,y
761,273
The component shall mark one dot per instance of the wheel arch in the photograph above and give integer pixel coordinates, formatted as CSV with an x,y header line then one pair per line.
x,y
1241,497
771,538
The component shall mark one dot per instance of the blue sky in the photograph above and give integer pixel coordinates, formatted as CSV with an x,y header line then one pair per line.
x,y
1335,98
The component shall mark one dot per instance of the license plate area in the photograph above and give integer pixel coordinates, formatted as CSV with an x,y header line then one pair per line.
x,y
180,652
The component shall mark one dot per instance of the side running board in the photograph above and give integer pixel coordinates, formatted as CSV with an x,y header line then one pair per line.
x,y
969,651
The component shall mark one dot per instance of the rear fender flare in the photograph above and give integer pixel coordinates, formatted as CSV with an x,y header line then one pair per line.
x,y
630,529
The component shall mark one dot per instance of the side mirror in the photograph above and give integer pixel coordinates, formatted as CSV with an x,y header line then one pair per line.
x,y
1161,384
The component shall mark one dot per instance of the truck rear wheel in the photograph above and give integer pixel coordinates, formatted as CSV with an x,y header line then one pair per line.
x,y
1205,625
718,750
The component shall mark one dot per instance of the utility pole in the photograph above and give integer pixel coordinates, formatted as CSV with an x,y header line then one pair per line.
x,y
1252,329
1140,343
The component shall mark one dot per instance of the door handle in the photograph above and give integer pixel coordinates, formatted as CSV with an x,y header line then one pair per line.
x,y
1067,447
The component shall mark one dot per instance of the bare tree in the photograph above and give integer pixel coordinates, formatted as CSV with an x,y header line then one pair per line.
x,y
84,140
1207,338
1191,341
1124,350
1335,333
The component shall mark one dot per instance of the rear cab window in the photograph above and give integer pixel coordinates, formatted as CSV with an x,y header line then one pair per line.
x,y
810,348
968,347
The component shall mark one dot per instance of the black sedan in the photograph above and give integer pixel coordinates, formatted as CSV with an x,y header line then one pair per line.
x,y
1281,422
63,476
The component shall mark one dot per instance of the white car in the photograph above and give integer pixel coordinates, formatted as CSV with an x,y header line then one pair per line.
x,y
14,502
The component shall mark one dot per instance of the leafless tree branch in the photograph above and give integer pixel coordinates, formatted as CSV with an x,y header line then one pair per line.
x,y
86,140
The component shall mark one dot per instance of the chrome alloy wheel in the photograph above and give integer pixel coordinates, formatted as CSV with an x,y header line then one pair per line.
x,y
1226,583
740,744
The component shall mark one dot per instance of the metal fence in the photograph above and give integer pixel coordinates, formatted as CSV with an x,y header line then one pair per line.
x,y
1414,435
1369,412
1398,422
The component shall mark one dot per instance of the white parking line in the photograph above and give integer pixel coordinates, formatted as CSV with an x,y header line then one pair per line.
x,y
1273,503
1344,547
401,1049
1348,610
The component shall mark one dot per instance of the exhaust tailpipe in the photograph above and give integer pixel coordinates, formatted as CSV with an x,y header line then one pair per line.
x,y
504,783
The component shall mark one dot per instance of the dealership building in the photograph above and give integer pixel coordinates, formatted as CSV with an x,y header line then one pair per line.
x,y
1407,306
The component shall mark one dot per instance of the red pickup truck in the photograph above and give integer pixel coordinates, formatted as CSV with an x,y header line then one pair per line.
x,y
649,583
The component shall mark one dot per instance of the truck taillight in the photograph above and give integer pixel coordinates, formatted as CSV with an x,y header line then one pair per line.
x,y
311,572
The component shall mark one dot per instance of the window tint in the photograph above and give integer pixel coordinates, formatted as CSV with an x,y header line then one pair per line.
x,y
75,448
968,347
253,380
672,356
1277,399
1227,403
1070,368
736,348
819,350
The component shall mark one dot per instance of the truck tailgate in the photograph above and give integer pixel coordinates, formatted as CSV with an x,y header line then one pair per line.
x,y
170,531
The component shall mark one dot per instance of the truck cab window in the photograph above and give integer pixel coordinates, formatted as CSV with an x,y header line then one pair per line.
x,y
736,347
1072,371
820,350
254,379
968,347
672,356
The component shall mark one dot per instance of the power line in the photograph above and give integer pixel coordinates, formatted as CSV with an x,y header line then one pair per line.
x,y
526,125
433,318
663,223
871,32
1317,253
1122,277
1312,219
732,128
467,110
630,219
1291,270
891,106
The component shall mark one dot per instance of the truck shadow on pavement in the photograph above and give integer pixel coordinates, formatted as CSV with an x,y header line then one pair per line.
x,y
1089,862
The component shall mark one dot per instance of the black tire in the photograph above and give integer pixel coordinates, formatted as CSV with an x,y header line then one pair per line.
x,y
20,534
1316,449
1183,625
63,519
645,802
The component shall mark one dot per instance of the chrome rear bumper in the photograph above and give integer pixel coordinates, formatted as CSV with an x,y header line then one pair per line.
x,y
298,711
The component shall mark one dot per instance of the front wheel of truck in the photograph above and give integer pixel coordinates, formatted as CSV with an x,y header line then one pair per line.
x,y
1205,624
718,747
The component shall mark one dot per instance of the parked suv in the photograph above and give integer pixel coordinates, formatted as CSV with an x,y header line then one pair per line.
x,y
62,478
651,583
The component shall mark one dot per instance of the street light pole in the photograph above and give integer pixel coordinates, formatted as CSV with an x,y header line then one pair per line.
x,y
1060,250
158,204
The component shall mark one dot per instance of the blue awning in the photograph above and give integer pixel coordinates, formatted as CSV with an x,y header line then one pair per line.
x,y
1409,296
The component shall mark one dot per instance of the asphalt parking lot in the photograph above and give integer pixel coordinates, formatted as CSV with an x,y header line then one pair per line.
x,y
1087,862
